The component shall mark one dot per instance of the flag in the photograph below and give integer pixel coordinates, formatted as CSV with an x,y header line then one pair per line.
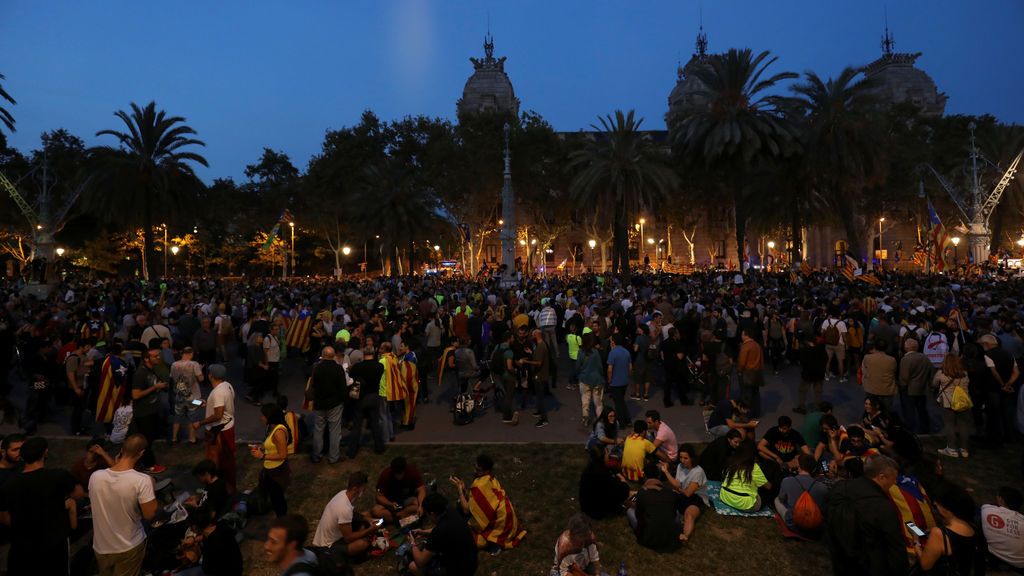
x,y
850,267
297,335
805,268
870,278
937,237
956,319
271,237
286,217
911,501
113,376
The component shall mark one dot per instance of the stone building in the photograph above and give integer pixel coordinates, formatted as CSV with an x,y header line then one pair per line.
x,y
489,88
899,81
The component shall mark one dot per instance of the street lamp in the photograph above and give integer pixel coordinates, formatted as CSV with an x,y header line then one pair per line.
x,y
641,243
771,249
60,252
956,244
292,255
591,243
165,249
175,250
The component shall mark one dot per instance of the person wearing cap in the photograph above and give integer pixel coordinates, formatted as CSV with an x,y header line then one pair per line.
x,y
220,424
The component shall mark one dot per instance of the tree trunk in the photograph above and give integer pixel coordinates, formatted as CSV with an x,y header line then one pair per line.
x,y
795,254
741,232
147,236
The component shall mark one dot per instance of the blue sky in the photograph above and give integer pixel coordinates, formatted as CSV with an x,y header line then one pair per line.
x,y
256,74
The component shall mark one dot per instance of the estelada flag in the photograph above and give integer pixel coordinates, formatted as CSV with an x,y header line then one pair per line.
x,y
938,236
805,268
955,318
297,335
113,376
870,278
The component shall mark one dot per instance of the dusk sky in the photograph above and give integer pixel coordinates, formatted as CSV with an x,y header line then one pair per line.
x,y
249,75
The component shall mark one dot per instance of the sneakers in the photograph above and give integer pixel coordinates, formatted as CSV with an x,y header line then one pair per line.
x,y
571,387
951,452
156,469
964,453
647,398
843,380
634,397
541,423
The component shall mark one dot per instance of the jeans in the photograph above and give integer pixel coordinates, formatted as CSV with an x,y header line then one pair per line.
x,y
540,385
622,411
804,386
593,394
149,426
366,410
387,425
508,382
957,428
332,419
917,414
750,390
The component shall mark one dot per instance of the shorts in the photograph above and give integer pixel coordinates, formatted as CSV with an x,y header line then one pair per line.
x,y
691,500
187,414
839,350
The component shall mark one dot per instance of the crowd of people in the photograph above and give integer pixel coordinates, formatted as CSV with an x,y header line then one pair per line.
x,y
133,361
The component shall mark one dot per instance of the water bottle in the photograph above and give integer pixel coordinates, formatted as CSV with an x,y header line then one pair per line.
x,y
622,569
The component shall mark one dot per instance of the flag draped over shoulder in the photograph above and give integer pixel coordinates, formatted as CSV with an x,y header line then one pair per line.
x,y
401,382
938,237
113,376
870,278
911,502
449,352
297,335
492,517
411,383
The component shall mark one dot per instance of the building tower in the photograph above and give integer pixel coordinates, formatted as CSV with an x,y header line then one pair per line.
x,y
489,88
898,81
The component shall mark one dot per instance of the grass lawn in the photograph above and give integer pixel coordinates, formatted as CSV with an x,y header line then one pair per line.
x,y
541,481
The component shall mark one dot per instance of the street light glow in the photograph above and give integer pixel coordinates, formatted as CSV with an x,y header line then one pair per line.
x,y
522,242
291,224
650,240
956,240
643,221
174,250
346,250
437,248
882,219
593,243
771,244
60,251
1020,242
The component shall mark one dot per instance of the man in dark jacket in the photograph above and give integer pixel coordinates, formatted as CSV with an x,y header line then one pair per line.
x,y
864,531
813,362
328,387
367,371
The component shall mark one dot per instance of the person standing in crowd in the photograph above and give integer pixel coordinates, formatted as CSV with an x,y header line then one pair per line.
x,y
540,373
121,499
956,423
367,372
750,366
186,374
146,387
38,506
275,475
220,425
915,374
1000,399
204,342
588,371
619,371
878,371
78,366
328,387
813,365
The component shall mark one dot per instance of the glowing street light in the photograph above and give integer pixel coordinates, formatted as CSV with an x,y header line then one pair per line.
x,y
346,250
60,252
175,250
956,245
771,244
650,241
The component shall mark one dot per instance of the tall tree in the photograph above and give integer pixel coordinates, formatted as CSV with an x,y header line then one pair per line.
x,y
742,126
620,173
5,115
844,147
151,170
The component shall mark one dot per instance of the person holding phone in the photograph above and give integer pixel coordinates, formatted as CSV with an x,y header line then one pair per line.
x,y
275,476
952,547
448,547
346,533
186,374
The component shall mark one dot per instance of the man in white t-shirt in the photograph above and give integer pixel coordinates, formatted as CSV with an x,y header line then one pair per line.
x,y
335,530
121,498
220,424
1003,525
833,330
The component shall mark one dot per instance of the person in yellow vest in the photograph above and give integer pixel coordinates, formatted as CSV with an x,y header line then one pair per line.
x,y
291,420
275,474
573,340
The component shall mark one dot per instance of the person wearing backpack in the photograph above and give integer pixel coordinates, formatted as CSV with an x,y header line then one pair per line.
x,y
833,331
802,499
502,368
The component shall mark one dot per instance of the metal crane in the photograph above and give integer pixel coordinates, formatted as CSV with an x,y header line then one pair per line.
x,y
976,208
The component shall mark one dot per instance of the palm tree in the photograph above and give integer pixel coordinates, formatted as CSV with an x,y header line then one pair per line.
x,y
392,206
5,116
151,168
620,174
740,128
842,144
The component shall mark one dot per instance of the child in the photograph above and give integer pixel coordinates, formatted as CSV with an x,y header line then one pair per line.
x,y
122,419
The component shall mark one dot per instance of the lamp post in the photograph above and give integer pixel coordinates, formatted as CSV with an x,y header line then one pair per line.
x,y
175,250
881,245
165,249
642,249
956,255
591,243
771,251
60,252
291,254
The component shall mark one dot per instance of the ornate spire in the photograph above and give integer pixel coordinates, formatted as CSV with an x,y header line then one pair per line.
x,y
701,44
489,46
887,42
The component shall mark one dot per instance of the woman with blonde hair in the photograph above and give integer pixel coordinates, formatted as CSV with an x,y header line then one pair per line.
x,y
950,377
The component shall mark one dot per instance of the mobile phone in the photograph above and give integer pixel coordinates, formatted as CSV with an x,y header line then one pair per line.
x,y
913,528
197,402
378,522
824,466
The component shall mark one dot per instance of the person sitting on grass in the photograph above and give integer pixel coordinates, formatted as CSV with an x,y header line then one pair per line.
x,y
606,434
855,445
952,547
717,453
492,518
342,530
793,487
576,550
448,548
603,491
827,447
400,492
691,484
1001,523
744,480
214,500
635,451
731,415
778,450
655,520
210,550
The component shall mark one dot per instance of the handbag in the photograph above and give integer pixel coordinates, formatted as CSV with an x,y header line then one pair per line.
x,y
960,401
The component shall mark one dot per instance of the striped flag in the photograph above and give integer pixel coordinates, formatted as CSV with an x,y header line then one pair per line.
x,y
911,501
493,513
113,376
297,336
850,267
938,237
805,268
870,278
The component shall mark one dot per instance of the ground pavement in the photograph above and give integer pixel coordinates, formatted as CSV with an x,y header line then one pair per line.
x,y
434,419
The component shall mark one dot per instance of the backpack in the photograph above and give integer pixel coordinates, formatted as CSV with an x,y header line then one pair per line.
x,y
854,334
465,407
831,333
911,334
497,360
807,515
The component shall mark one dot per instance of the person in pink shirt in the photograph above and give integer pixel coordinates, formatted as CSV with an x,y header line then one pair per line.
x,y
664,437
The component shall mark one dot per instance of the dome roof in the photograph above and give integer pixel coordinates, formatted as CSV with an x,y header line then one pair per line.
x,y
489,88
899,81
687,93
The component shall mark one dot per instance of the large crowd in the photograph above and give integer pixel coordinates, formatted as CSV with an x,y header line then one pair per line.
x,y
139,363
